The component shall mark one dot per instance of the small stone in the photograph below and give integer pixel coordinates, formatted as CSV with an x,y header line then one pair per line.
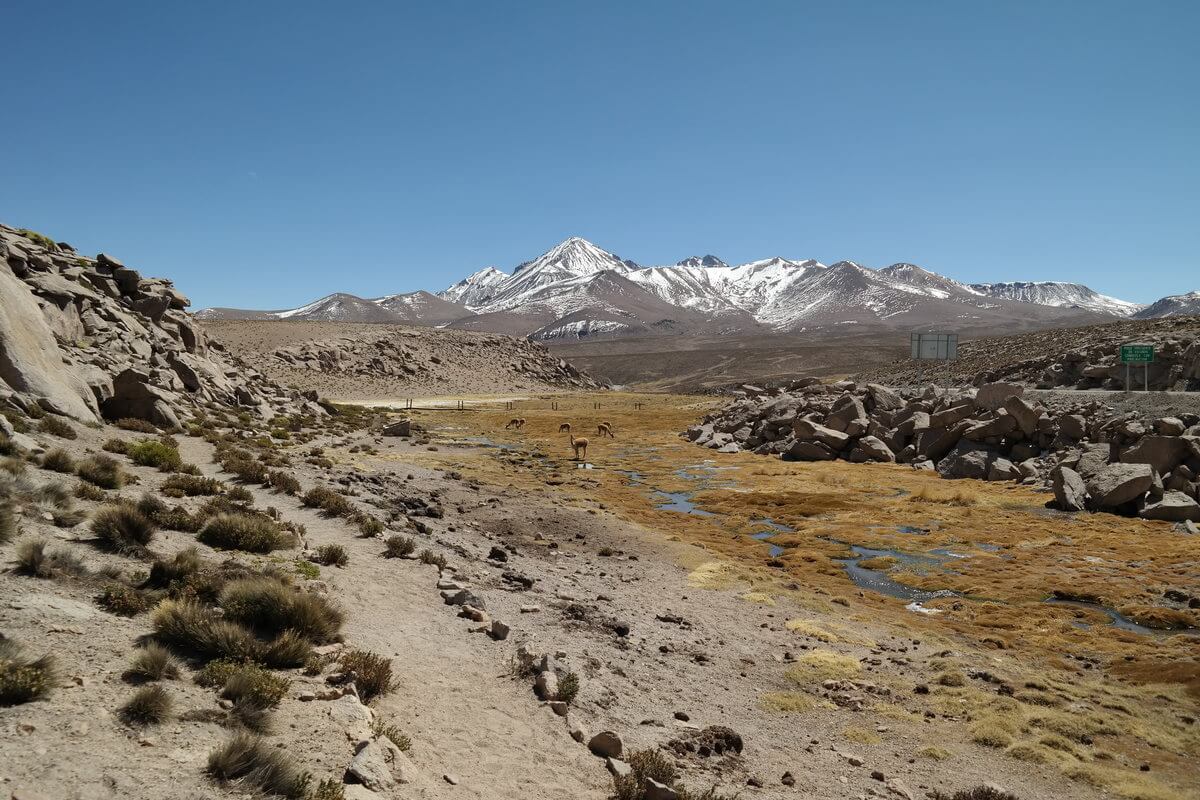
x,y
617,767
306,696
788,779
558,707
576,730
682,716
657,791
606,744
877,775
499,630
530,609
450,779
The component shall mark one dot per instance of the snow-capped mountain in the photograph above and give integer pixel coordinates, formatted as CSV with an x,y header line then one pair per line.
x,y
1171,306
1061,295
578,290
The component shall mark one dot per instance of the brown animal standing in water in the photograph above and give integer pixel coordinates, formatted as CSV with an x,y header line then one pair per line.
x,y
515,423
605,429
564,428
578,444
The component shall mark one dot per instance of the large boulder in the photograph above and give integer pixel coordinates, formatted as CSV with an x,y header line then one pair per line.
x,y
847,415
1118,484
1025,413
967,460
993,396
871,448
1173,507
802,450
1073,426
30,361
1163,453
935,443
135,396
883,398
808,429
1070,492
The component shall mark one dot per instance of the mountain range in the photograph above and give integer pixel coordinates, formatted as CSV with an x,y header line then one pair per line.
x,y
577,290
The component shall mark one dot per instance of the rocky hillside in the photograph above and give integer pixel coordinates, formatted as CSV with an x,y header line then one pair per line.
x,y
1080,358
364,361
1094,457
91,338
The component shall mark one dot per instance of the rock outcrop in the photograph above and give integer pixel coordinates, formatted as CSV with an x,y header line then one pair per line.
x,y
90,337
1089,456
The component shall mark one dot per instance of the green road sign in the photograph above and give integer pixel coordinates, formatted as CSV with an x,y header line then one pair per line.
x,y
1137,353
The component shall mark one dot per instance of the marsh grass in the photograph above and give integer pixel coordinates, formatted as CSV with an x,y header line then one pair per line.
x,y
817,666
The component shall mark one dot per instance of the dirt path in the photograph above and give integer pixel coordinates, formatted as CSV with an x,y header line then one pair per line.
x,y
466,719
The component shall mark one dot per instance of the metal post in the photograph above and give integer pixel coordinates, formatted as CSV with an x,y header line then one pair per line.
x,y
1147,376
1126,377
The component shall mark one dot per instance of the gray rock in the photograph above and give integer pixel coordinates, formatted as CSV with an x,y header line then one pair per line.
x,y
1169,426
809,451
134,396
871,448
401,427
465,597
1070,492
994,395
1163,453
967,460
1118,484
606,744
1173,507
1073,426
1025,413
371,767
883,398
810,430
618,768
658,791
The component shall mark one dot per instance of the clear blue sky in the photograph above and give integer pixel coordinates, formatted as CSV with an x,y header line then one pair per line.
x,y
265,153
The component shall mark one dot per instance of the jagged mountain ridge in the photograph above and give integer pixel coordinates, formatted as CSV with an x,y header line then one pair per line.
x,y
1171,306
578,290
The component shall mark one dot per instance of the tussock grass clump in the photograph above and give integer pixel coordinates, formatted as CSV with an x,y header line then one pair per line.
x,y
124,600
328,789
33,559
249,532
13,465
153,663
182,485
436,559
58,460
23,680
247,470
644,765
368,525
252,684
948,497
329,501
193,628
568,687
155,453
7,446
332,555
175,518
8,519
816,666
150,705
399,547
288,649
978,793
284,482
57,426
372,673
86,491
271,607
183,565
101,471
136,425
123,529
118,446
248,759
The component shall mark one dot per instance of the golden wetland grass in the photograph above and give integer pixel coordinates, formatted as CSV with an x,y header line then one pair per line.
x,y
1076,676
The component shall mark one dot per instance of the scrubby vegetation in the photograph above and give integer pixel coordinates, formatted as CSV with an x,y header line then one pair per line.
x,y
399,546
191,627
124,600
568,687
150,705
284,482
329,501
101,471
368,525
123,529
249,532
153,663
332,555
381,728
248,759
155,453
58,460
436,559
182,485
23,680
34,560
86,491
136,425
57,426
270,607
373,673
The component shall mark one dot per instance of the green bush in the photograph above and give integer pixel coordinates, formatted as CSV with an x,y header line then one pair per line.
x,y
329,501
123,529
270,607
399,546
23,680
101,471
368,526
247,470
568,687
155,453
332,555
251,533
150,705
284,482
245,682
58,460
57,426
436,559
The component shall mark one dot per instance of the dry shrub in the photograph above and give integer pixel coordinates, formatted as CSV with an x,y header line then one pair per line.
x,y
252,762
124,600
86,491
184,564
372,673
8,518
821,665
119,446
123,529
33,559
150,705
393,732
270,607
155,453
246,469
57,426
152,663
329,501
136,425
368,525
181,485
284,482
58,460
399,546
288,649
568,687
328,789
644,765
101,471
949,497
249,532
250,683
191,627
332,555
978,793
436,559
23,680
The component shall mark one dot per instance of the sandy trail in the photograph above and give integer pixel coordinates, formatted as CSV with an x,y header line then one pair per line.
x,y
465,719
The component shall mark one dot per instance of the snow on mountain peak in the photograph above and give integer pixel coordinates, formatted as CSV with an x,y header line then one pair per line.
x,y
1058,294
701,261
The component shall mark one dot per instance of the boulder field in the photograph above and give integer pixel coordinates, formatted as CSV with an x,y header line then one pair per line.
x,y
1090,456
92,339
